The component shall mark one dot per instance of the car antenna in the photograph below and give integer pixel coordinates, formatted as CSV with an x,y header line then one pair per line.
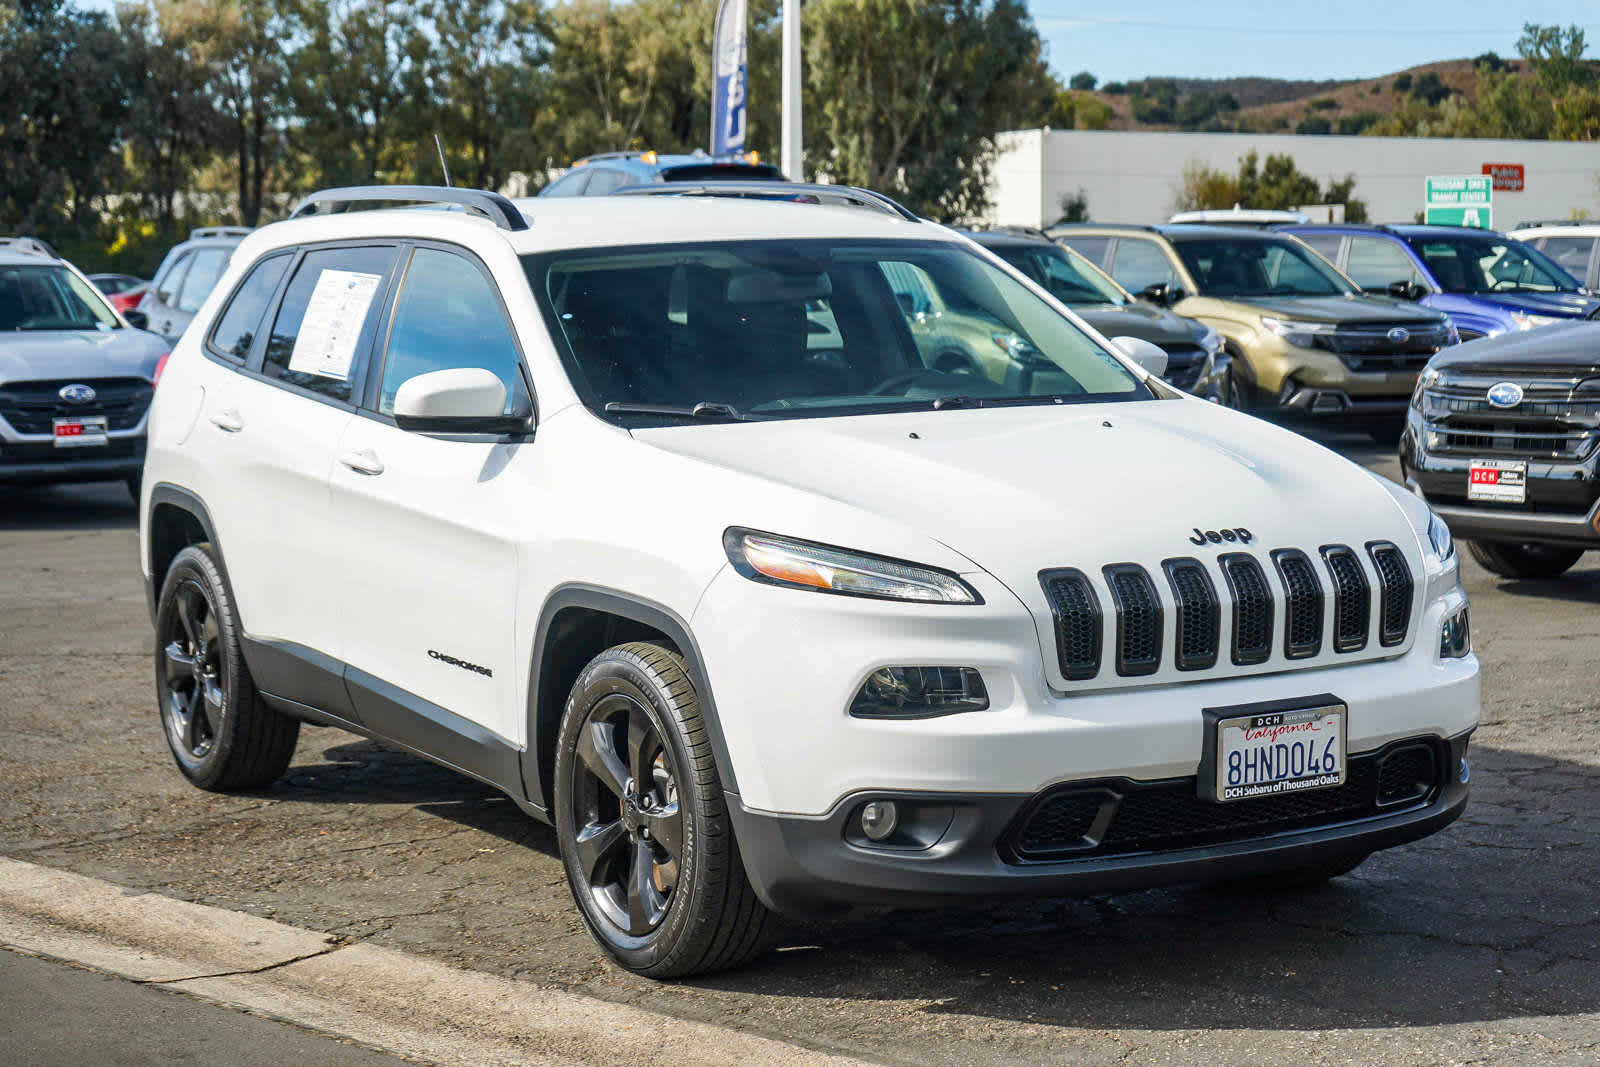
x,y
442,164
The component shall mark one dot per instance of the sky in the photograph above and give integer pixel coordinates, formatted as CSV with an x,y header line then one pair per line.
x,y
1311,39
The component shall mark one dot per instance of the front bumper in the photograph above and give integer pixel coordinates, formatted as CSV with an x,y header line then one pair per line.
x,y
34,464
804,865
1313,382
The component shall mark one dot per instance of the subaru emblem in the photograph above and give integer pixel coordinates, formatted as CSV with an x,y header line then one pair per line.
x,y
1399,335
1505,395
76,394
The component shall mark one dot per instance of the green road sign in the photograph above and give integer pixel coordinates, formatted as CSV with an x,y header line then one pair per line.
x,y
1463,201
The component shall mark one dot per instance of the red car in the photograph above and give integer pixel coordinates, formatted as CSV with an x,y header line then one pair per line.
x,y
122,290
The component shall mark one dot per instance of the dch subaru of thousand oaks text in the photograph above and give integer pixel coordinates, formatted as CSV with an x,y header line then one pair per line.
x,y
649,512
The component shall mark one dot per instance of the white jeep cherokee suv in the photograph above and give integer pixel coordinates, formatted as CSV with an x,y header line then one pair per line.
x,y
650,514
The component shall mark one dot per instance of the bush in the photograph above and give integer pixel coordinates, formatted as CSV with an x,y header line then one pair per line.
x,y
1350,125
1324,103
1115,88
1084,81
1314,124
1429,89
1402,84
1152,110
1074,207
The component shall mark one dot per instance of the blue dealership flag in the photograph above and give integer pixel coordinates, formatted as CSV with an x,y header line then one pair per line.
x,y
728,61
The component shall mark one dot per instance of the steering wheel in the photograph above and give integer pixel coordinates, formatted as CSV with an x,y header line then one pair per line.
x,y
1508,283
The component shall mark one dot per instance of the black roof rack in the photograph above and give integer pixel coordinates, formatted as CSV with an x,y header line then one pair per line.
x,y
1528,224
219,231
496,208
1055,229
793,192
31,245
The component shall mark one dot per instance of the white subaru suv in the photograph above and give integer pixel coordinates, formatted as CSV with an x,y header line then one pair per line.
x,y
648,512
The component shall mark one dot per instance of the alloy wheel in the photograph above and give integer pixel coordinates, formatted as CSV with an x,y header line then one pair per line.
x,y
194,703
626,812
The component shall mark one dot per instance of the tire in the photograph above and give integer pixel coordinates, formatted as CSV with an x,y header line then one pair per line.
x,y
1298,878
1239,392
222,736
1511,560
657,876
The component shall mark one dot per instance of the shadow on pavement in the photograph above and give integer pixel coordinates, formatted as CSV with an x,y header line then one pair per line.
x,y
101,506
1581,585
1492,919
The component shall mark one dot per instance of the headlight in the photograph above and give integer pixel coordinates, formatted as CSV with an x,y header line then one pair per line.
x,y
1299,334
1210,340
1444,546
797,564
1530,322
1425,381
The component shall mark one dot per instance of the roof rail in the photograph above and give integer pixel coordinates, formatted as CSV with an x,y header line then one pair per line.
x,y
496,208
220,231
30,245
791,192
1528,224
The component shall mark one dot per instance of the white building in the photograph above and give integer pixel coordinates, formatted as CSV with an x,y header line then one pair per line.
x,y
1136,177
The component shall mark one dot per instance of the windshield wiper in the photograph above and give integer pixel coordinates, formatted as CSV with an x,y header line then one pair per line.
x,y
953,402
705,410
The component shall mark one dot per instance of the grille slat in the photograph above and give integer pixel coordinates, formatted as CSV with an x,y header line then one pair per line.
x,y
1076,611
1302,604
1252,608
1197,633
1394,603
1352,598
1138,619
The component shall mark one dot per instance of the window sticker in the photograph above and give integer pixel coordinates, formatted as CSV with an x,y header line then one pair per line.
x,y
326,344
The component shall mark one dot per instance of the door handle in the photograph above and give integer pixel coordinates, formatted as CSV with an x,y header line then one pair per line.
x,y
227,420
362,461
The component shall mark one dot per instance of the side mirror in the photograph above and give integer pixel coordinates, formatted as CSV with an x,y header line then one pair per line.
x,y
1155,294
1405,291
137,319
1147,355
462,400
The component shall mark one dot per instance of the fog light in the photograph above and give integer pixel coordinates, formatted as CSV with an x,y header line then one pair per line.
x,y
879,819
1464,772
1455,635
919,692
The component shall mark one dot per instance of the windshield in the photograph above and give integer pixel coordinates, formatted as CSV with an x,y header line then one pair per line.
x,y
1234,267
1068,277
785,329
1491,265
50,298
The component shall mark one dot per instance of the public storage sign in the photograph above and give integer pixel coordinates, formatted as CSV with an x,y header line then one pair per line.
x,y
1507,177
1459,201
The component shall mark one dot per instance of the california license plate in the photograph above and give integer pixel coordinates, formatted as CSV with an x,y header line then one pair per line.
x,y
81,431
1267,750
1501,480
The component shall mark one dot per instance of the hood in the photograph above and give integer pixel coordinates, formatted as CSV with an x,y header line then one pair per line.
x,y
1338,309
86,354
1020,490
1140,320
1562,347
1559,305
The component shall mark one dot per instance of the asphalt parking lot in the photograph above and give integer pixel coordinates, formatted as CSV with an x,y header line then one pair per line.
x,y
1480,944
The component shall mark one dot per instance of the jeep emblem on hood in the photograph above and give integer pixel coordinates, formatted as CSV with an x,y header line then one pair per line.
x,y
1505,395
1217,537
76,394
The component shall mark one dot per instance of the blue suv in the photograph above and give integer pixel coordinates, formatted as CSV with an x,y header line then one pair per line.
x,y
1487,283
609,171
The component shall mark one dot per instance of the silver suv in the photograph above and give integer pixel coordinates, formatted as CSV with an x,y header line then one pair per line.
x,y
186,278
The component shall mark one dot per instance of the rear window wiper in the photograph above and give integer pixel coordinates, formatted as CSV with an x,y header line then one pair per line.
x,y
705,410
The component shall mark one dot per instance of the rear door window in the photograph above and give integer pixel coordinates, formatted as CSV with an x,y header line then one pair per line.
x,y
1570,253
240,321
1375,264
167,287
570,184
1325,245
1141,264
325,323
205,268
448,316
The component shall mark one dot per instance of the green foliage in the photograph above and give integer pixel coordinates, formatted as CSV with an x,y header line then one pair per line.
x,y
1078,111
1428,88
1556,56
1204,107
906,95
1491,62
1083,80
1115,88
1074,207
1324,103
1402,82
1350,125
1273,184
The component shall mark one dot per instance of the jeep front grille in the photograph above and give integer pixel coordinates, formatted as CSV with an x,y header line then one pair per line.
x,y
1231,602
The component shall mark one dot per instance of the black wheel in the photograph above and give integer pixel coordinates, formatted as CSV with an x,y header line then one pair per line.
x,y
1511,560
644,829
222,736
1239,391
1307,877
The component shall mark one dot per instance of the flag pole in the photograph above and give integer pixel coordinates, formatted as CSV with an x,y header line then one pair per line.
x,y
792,146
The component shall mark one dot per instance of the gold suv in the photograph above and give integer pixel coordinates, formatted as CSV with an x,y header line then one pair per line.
x,y
1305,340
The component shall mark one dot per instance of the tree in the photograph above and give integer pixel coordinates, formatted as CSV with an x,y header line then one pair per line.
x,y
1556,56
1275,183
1074,207
907,95
1083,80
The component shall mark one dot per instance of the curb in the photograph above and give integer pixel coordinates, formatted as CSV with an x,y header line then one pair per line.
x,y
380,997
